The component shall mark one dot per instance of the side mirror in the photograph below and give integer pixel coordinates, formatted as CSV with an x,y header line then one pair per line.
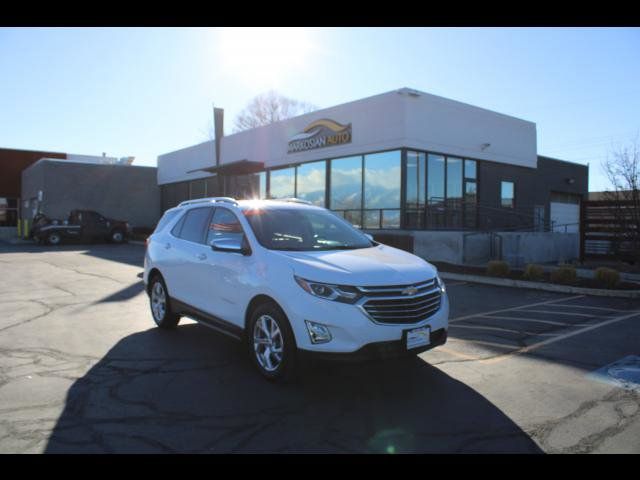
x,y
231,245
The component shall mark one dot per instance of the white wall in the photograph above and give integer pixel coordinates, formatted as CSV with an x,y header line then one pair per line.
x,y
442,125
173,167
94,159
390,120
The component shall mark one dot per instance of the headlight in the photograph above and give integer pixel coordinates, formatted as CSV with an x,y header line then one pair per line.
x,y
337,293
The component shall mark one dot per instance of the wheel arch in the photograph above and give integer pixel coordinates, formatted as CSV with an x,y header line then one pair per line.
x,y
257,301
152,273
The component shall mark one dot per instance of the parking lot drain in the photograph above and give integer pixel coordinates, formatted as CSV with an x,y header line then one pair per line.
x,y
624,373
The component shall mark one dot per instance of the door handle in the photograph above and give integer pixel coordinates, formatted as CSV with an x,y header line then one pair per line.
x,y
167,246
201,256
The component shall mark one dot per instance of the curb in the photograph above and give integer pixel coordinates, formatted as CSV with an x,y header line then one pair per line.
x,y
506,282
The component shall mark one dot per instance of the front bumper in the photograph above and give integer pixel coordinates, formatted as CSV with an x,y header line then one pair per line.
x,y
376,351
351,329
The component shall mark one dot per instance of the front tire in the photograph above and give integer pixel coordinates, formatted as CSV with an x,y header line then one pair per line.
x,y
271,343
117,236
160,304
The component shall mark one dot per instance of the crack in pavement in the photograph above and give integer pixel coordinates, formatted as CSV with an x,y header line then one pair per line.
x,y
542,433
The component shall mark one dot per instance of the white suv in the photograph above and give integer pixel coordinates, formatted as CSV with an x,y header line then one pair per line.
x,y
291,279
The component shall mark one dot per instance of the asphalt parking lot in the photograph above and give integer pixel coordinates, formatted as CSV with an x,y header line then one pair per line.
x,y
83,369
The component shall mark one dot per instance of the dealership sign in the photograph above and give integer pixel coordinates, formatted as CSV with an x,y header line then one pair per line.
x,y
320,134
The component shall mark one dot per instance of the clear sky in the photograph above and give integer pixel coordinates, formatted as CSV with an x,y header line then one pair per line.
x,y
146,91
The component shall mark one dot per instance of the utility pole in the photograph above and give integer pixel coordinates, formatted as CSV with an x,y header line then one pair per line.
x,y
218,127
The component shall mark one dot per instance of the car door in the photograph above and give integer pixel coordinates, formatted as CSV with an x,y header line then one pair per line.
x,y
91,227
184,254
226,277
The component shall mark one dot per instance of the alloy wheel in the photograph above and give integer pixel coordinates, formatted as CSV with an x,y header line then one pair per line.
x,y
268,343
158,301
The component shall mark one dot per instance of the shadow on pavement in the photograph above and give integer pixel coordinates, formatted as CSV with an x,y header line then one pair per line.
x,y
126,293
131,254
192,390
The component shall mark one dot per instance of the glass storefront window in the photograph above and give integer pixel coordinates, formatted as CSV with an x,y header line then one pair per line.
x,y
311,180
415,189
435,179
454,178
416,192
282,183
470,169
454,192
382,180
346,184
507,198
470,204
435,191
262,185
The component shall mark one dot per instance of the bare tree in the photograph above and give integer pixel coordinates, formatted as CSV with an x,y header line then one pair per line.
x,y
268,108
622,168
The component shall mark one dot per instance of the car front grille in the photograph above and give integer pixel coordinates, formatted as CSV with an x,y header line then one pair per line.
x,y
402,303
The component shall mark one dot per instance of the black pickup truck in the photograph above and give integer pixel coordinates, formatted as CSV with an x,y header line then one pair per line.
x,y
82,225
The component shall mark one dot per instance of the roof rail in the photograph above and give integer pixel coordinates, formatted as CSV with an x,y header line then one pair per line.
x,y
295,200
209,200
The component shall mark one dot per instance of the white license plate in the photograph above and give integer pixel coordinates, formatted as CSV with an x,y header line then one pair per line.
x,y
418,337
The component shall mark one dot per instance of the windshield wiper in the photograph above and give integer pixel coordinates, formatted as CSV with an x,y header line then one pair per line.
x,y
343,247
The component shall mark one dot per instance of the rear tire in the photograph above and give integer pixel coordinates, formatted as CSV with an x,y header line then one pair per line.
x,y
54,239
271,344
160,304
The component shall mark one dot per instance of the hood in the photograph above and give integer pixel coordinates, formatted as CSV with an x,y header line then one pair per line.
x,y
379,265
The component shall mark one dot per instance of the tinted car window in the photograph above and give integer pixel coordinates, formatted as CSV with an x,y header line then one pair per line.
x,y
224,226
194,224
166,218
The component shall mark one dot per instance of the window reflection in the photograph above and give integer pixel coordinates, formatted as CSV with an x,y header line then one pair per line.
x,y
435,179
282,183
311,182
416,174
470,204
470,169
454,192
507,197
435,191
262,185
346,184
382,180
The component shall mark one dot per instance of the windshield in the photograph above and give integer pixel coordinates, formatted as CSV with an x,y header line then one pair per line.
x,y
304,229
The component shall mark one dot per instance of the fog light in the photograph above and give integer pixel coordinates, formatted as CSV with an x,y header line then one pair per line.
x,y
318,333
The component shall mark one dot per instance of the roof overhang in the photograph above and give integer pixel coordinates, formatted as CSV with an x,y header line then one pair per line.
x,y
239,167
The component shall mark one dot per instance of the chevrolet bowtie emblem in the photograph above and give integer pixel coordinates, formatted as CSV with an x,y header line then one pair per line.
x,y
410,291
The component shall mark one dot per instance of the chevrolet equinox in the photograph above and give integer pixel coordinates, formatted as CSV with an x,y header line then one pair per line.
x,y
290,279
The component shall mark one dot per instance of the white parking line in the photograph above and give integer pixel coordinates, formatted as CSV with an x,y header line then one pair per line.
x,y
593,308
515,308
498,329
550,322
561,337
490,344
559,313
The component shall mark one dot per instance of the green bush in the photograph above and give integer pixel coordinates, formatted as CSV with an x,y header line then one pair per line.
x,y
533,272
565,275
608,277
497,268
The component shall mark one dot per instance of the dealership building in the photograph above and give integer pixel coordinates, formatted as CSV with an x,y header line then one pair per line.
x,y
404,164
